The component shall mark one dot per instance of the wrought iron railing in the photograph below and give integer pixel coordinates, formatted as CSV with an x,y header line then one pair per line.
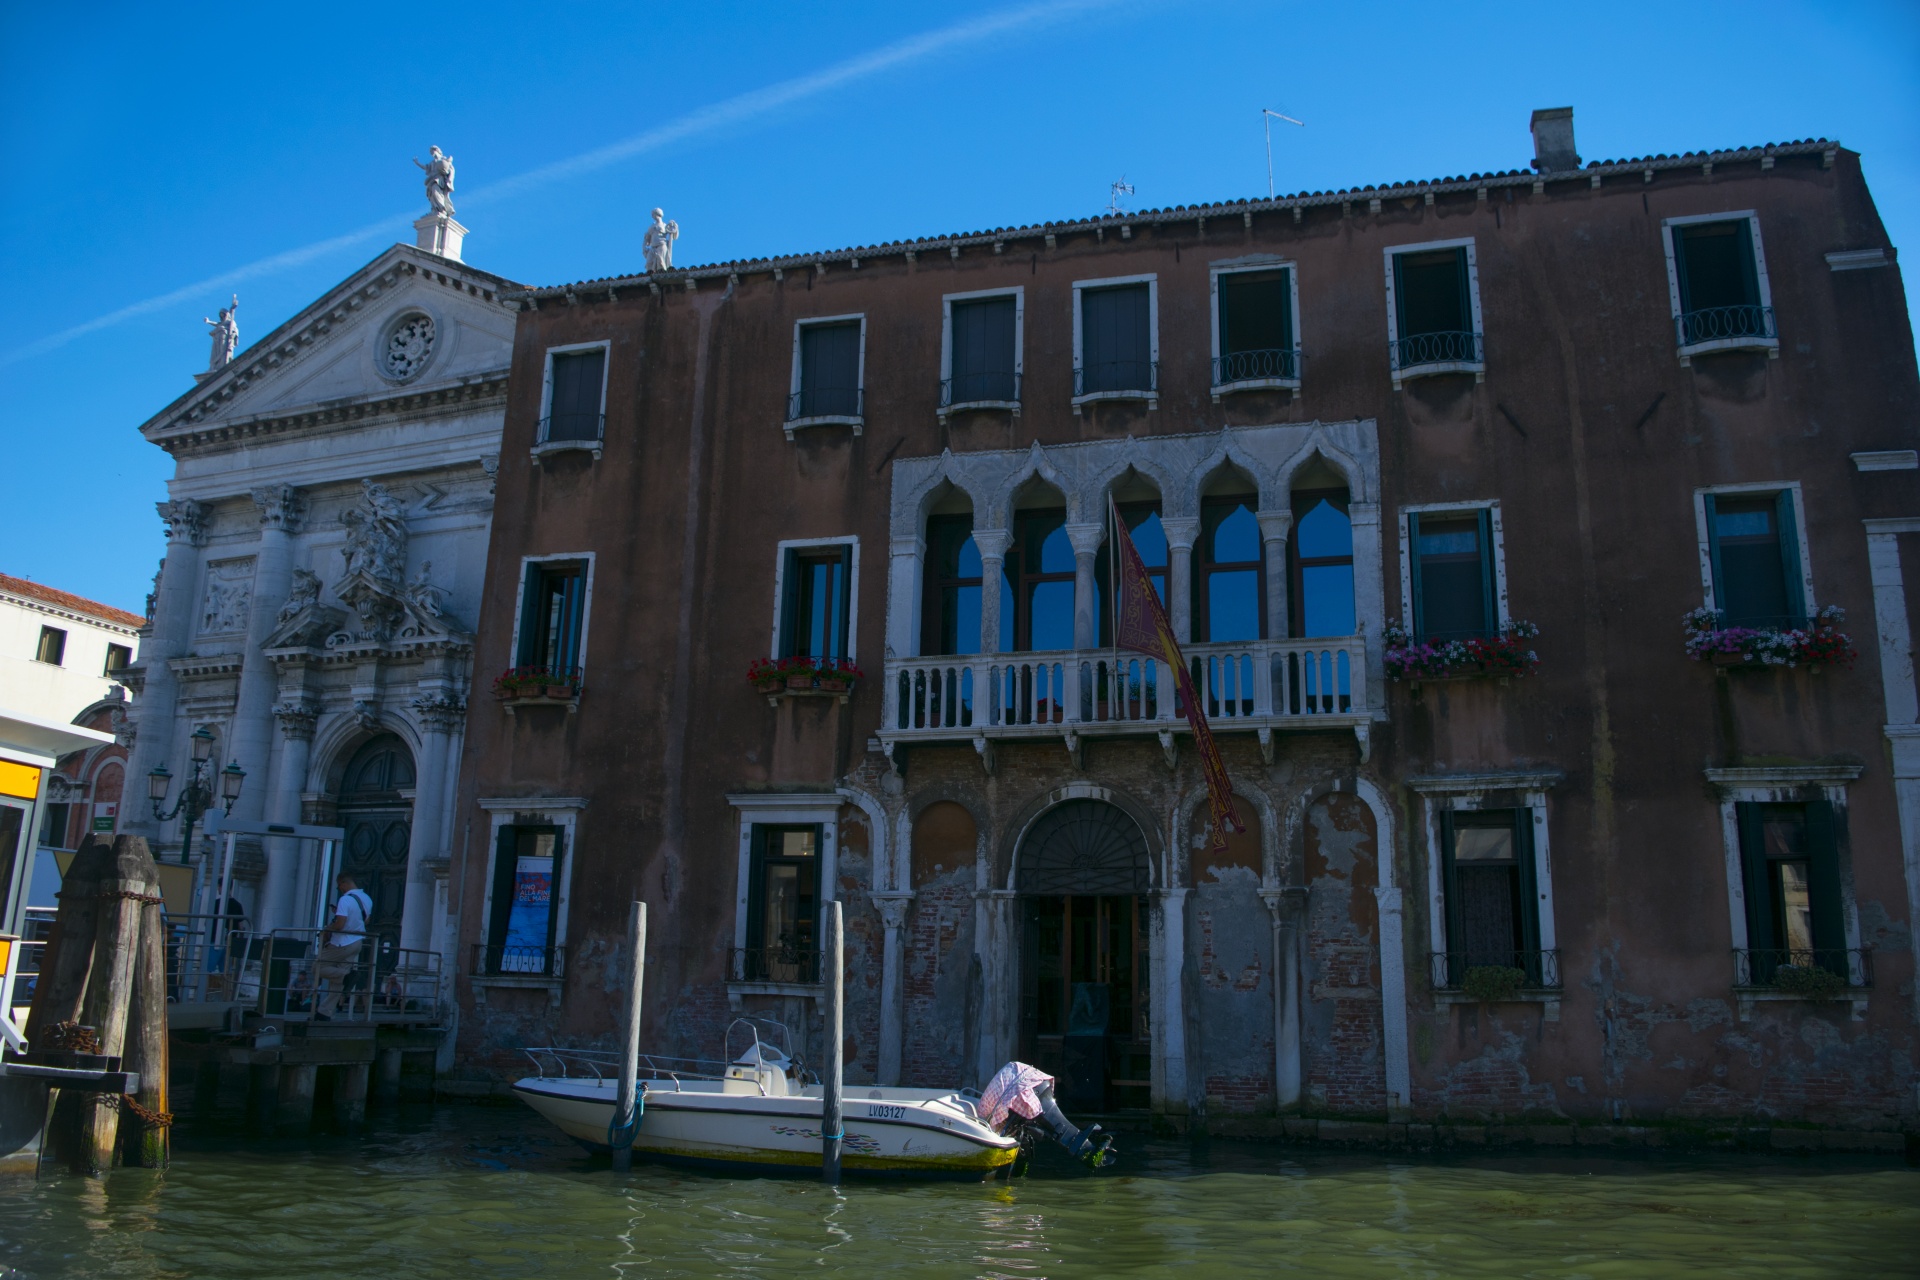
x,y
1791,968
1117,377
1279,364
980,388
494,960
1436,348
790,962
1724,324
1451,969
825,402
573,426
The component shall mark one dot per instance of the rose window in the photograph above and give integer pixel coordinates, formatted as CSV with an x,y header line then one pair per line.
x,y
409,347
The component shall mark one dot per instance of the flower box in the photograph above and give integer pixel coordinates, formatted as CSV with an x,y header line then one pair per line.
x,y
1819,644
802,675
1506,654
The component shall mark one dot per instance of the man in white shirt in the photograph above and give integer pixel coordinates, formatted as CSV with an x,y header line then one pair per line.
x,y
340,947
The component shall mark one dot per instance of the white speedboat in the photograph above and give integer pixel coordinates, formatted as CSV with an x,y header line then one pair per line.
x,y
757,1113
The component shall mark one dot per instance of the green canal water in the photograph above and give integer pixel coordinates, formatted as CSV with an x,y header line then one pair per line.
x,y
489,1192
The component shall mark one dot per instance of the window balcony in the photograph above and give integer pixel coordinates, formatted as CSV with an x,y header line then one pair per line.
x,y
1117,380
824,407
1770,975
968,391
565,432
1423,355
1258,685
1276,369
1455,972
1739,328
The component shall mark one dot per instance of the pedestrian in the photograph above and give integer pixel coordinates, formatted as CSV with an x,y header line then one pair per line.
x,y
339,947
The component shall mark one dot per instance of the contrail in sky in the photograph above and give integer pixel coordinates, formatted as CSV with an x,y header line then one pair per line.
x,y
706,119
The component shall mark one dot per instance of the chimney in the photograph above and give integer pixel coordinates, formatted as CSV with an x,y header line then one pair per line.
x,y
1553,140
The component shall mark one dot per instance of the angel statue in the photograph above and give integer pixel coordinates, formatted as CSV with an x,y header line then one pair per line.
x,y
657,244
305,591
226,336
439,171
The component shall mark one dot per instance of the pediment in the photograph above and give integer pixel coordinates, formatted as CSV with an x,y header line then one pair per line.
x,y
407,322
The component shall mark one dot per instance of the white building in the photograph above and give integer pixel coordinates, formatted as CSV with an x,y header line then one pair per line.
x,y
327,532
60,653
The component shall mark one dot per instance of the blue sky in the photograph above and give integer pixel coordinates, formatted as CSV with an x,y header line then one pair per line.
x,y
151,151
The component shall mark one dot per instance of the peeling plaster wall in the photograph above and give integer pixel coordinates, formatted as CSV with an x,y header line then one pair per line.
x,y
1345,1070
1229,976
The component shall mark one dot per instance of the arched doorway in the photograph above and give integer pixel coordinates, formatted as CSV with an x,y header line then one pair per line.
x,y
379,824
1083,873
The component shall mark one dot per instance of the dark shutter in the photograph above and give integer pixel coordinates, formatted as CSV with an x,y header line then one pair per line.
x,y
1417,623
982,355
1529,894
506,852
751,967
1713,545
1115,339
574,408
1787,529
1823,886
830,370
1456,918
1759,886
790,629
532,617
553,898
1489,601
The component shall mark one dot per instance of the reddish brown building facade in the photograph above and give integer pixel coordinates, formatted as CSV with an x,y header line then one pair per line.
x,y
1369,442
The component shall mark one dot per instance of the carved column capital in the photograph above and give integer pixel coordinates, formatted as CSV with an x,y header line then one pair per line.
x,y
992,543
282,507
297,720
893,909
440,713
186,520
1086,538
1180,531
1275,525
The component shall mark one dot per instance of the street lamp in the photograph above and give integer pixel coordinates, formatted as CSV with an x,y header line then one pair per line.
x,y
197,796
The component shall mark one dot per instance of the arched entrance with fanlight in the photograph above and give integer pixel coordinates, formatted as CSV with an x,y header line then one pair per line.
x,y
375,805
1082,873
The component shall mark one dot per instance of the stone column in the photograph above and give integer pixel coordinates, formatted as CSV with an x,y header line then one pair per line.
x,y
1369,595
281,507
1086,540
995,1030
903,595
167,636
1288,908
1898,692
992,546
1274,528
439,714
1180,537
894,906
280,891
1393,1002
1167,951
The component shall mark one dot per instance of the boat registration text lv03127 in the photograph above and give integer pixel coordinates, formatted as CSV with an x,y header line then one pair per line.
x,y
880,1111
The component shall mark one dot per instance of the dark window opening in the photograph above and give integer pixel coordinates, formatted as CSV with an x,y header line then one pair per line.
x,y
1791,870
1492,897
1453,593
829,371
553,615
1755,551
950,595
815,587
53,826
1039,570
982,356
1256,327
1321,556
573,410
1433,308
1719,282
119,657
522,935
783,906
1229,580
52,647
1116,340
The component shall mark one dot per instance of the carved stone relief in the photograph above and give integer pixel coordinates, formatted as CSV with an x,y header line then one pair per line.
x,y
408,346
228,597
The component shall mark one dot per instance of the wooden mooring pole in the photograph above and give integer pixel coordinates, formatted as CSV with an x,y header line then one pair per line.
x,y
620,1135
831,1129
145,1132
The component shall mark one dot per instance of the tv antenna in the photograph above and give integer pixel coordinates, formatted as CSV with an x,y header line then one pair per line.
x,y
1116,190
1267,117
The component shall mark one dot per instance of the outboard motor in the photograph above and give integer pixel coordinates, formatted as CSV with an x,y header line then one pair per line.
x,y
1024,1095
1089,1146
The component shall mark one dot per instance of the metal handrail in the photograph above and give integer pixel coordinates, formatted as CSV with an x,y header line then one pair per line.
x,y
1772,966
558,1062
826,402
1117,377
1722,324
1449,969
566,426
1418,349
501,960
786,963
997,387
1273,364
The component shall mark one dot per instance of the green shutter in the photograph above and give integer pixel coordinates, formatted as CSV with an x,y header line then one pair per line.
x,y
1450,887
1399,301
1676,238
756,875
1489,602
530,624
790,636
505,861
1713,545
1749,273
1789,530
1529,892
1417,623
553,895
1829,920
1466,291
1759,893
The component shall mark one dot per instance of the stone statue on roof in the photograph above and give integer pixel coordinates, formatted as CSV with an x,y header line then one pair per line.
x,y
658,243
439,171
225,335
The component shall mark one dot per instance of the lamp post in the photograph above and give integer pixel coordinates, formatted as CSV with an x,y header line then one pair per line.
x,y
197,796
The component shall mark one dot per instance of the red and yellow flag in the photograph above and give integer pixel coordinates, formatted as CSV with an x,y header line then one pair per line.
x,y
1141,625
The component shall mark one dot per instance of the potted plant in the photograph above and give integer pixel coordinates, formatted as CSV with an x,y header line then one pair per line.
x,y
1809,981
1505,654
515,683
836,675
1492,983
1819,644
560,685
799,673
765,676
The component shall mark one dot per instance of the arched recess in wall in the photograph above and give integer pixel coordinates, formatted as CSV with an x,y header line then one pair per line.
x,y
1083,846
376,808
945,840
1244,851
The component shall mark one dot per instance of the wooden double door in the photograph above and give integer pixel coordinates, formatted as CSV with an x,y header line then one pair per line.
x,y
1085,1000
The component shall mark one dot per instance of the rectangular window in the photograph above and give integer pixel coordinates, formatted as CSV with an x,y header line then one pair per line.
x,y
1754,548
1256,327
521,935
1491,896
983,355
950,594
816,586
574,406
1451,555
783,905
1791,863
119,657
1116,340
1433,308
1717,276
53,826
553,616
829,371
52,647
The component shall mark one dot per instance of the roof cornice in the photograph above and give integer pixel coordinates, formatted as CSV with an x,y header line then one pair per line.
x,y
469,393
1592,177
71,615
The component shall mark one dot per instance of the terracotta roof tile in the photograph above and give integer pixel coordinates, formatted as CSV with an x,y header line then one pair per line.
x,y
69,601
